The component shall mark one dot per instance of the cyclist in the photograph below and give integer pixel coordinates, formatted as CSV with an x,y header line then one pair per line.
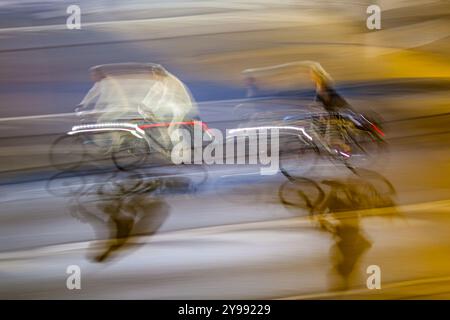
x,y
332,102
135,91
325,93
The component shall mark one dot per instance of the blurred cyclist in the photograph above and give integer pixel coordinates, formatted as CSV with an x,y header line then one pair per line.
x,y
325,93
332,102
138,91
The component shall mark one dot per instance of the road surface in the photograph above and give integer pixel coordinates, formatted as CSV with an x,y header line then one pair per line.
x,y
226,232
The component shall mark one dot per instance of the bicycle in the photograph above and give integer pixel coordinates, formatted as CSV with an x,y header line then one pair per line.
x,y
364,190
127,143
329,134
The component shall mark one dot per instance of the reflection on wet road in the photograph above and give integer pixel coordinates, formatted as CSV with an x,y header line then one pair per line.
x,y
329,203
160,231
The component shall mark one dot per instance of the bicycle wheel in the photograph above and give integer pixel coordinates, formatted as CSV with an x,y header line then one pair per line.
x,y
64,184
365,148
297,158
130,154
381,183
67,152
301,194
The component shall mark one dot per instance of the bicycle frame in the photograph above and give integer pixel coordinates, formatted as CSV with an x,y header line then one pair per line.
x,y
137,130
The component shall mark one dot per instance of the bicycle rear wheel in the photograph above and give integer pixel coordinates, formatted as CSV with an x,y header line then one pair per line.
x,y
297,158
67,152
302,193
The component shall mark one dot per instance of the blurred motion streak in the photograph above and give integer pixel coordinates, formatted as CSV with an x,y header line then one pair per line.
x,y
85,171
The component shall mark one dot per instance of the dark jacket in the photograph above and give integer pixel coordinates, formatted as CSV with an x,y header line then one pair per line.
x,y
331,100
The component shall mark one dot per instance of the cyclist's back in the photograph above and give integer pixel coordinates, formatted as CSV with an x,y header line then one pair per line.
x,y
328,97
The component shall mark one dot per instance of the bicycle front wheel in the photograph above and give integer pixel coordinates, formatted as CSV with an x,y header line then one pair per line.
x,y
365,148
